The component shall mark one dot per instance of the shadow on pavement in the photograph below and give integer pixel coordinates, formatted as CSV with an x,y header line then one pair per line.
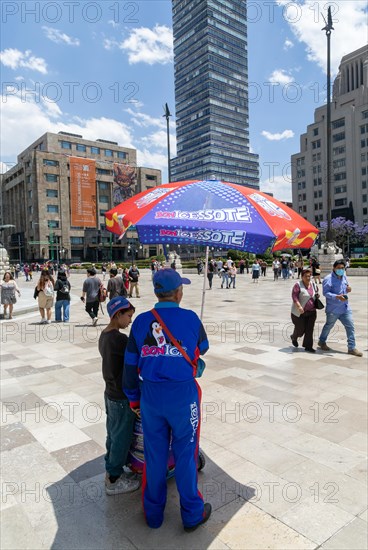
x,y
89,519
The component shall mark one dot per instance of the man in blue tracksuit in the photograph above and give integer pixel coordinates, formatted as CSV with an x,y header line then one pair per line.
x,y
336,289
161,383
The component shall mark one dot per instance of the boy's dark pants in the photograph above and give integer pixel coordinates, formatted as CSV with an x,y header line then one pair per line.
x,y
119,426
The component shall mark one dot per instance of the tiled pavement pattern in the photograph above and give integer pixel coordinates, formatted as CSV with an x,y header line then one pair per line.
x,y
283,432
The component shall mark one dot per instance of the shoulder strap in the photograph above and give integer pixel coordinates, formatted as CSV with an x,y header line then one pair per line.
x,y
172,338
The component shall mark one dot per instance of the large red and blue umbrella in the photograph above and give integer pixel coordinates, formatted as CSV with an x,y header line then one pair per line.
x,y
212,213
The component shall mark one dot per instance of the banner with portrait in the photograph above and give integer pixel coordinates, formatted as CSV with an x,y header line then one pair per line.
x,y
125,182
83,192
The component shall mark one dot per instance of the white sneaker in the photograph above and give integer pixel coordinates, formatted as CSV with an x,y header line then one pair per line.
x,y
48,322
43,321
121,485
94,321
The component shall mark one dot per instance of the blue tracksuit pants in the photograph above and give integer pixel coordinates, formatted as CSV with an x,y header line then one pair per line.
x,y
171,408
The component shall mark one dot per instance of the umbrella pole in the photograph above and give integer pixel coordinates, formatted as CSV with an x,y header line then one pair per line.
x,y
204,283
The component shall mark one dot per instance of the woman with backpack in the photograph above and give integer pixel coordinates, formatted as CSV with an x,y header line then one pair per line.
x,y
44,291
62,288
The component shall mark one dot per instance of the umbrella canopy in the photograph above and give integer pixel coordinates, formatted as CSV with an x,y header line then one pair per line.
x,y
211,213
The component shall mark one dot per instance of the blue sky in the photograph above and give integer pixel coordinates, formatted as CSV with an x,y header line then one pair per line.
x,y
105,70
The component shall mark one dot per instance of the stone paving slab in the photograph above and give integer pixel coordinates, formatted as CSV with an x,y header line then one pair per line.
x,y
284,432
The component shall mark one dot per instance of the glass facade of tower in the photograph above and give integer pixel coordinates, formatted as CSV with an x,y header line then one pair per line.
x,y
211,92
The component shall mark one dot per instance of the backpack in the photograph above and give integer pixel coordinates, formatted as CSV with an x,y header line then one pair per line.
x,y
64,289
102,293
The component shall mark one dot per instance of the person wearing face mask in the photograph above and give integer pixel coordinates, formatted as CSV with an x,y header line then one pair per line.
x,y
336,289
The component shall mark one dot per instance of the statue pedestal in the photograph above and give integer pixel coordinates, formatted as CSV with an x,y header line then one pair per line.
x,y
327,255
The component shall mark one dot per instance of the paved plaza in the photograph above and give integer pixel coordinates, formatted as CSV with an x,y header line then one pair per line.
x,y
283,431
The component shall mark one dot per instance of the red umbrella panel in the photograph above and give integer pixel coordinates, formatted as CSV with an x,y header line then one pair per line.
x,y
212,213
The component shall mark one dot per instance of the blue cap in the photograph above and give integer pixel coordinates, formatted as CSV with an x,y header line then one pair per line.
x,y
116,304
167,279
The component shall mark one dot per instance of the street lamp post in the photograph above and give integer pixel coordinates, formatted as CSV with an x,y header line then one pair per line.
x,y
167,115
328,28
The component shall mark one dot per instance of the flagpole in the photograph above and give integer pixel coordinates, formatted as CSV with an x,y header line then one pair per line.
x,y
204,283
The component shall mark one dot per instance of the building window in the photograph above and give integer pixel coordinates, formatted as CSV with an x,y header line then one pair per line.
x,y
364,171
81,147
51,177
29,194
363,142
339,177
30,209
104,198
53,208
54,224
340,189
95,150
364,198
65,144
49,162
364,184
300,173
104,172
52,193
76,240
340,163
341,202
365,114
154,178
108,153
315,131
102,185
338,150
122,155
316,144
338,123
363,156
365,211
103,212
364,129
338,137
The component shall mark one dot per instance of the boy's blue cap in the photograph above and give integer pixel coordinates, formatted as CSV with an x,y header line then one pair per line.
x,y
116,304
167,279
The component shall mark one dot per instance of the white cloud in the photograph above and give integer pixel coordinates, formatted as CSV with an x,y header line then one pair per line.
x,y
25,121
109,44
280,186
288,44
149,159
279,76
286,134
306,21
59,37
150,46
158,140
14,59
144,120
113,23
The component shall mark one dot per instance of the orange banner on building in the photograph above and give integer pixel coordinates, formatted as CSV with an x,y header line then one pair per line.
x,y
83,192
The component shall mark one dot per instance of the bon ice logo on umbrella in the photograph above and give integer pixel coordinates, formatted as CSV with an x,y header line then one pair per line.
x,y
212,213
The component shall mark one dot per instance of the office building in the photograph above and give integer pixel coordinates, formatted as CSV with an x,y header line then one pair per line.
x,y
349,150
57,193
211,92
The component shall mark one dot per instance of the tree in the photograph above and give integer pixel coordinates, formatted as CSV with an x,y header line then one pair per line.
x,y
346,233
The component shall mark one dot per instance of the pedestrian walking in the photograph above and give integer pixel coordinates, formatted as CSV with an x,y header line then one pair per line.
x,y
232,275
285,268
159,381
275,269
103,271
225,276
134,281
255,271
336,289
303,310
210,273
241,266
62,304
90,294
8,289
44,292
115,285
299,264
119,416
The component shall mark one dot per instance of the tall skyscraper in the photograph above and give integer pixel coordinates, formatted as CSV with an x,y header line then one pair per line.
x,y
211,92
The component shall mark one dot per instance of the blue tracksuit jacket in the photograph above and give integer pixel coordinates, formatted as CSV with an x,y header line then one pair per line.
x,y
161,381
